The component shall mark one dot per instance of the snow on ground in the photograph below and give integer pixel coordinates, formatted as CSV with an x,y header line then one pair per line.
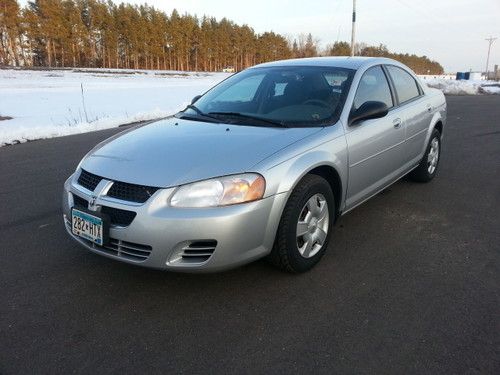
x,y
49,103
463,87
38,104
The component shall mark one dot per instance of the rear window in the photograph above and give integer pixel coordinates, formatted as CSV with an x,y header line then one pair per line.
x,y
405,84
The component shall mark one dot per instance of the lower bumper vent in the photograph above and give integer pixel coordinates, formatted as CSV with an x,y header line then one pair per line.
x,y
129,250
118,248
198,251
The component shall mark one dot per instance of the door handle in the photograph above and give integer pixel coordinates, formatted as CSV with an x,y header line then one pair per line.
x,y
397,123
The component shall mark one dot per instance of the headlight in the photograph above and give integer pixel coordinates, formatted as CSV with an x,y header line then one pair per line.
x,y
220,191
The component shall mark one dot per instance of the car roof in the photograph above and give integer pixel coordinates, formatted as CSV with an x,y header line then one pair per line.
x,y
349,62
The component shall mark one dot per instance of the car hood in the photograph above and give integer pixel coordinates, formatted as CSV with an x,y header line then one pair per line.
x,y
173,152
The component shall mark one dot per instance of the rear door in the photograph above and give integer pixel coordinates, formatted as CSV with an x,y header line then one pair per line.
x,y
416,112
375,146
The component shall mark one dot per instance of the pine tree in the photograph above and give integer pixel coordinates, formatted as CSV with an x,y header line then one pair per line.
x,y
10,33
99,33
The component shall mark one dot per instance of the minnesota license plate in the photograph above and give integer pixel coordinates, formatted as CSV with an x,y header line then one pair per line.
x,y
87,226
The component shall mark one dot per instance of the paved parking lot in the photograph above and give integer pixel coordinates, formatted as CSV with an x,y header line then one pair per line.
x,y
409,285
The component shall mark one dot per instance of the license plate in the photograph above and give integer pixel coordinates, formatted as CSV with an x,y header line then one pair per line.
x,y
87,226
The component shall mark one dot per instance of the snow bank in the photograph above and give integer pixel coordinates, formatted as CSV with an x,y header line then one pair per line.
x,y
50,103
463,87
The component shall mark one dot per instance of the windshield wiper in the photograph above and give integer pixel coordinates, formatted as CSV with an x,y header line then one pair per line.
x,y
201,115
196,109
249,117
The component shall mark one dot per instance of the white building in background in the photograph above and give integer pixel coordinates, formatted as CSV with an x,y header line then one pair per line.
x,y
437,76
473,76
476,76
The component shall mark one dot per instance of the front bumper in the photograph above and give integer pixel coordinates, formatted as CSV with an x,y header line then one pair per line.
x,y
190,240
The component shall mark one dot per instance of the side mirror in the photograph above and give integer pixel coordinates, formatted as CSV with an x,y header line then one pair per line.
x,y
195,99
367,111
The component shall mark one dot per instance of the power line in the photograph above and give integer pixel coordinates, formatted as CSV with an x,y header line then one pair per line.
x,y
422,14
490,42
336,11
335,14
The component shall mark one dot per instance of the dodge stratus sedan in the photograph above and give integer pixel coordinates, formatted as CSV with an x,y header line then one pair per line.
x,y
261,165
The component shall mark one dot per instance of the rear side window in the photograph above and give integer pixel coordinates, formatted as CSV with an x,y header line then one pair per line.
x,y
373,86
405,84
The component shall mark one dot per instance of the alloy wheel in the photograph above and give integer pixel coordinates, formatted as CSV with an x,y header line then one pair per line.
x,y
312,226
433,156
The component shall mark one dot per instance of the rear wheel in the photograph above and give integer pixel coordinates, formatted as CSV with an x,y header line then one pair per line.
x,y
428,166
305,226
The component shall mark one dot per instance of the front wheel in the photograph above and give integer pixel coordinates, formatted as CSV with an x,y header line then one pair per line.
x,y
428,166
305,226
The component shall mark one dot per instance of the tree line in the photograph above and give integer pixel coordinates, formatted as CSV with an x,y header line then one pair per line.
x,y
419,64
99,33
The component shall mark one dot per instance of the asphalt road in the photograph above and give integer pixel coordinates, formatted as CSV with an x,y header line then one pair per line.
x,y
409,285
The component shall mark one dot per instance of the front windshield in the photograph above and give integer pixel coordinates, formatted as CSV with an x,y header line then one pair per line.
x,y
274,96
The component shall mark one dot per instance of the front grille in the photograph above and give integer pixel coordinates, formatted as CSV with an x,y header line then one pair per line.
x,y
88,180
131,192
119,190
198,251
117,216
80,202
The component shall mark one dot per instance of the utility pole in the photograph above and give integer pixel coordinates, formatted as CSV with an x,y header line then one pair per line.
x,y
353,33
490,41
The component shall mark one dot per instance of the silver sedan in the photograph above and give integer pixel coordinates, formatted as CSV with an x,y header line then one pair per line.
x,y
261,165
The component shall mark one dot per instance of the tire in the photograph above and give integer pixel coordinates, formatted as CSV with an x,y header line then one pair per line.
x,y
429,164
299,253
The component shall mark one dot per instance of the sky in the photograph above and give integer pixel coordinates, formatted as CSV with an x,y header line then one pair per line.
x,y
451,32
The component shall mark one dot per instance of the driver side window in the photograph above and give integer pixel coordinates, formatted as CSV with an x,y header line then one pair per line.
x,y
373,86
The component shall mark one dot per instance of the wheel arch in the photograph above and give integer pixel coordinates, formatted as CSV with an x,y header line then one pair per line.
x,y
439,126
330,174
437,122
283,178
